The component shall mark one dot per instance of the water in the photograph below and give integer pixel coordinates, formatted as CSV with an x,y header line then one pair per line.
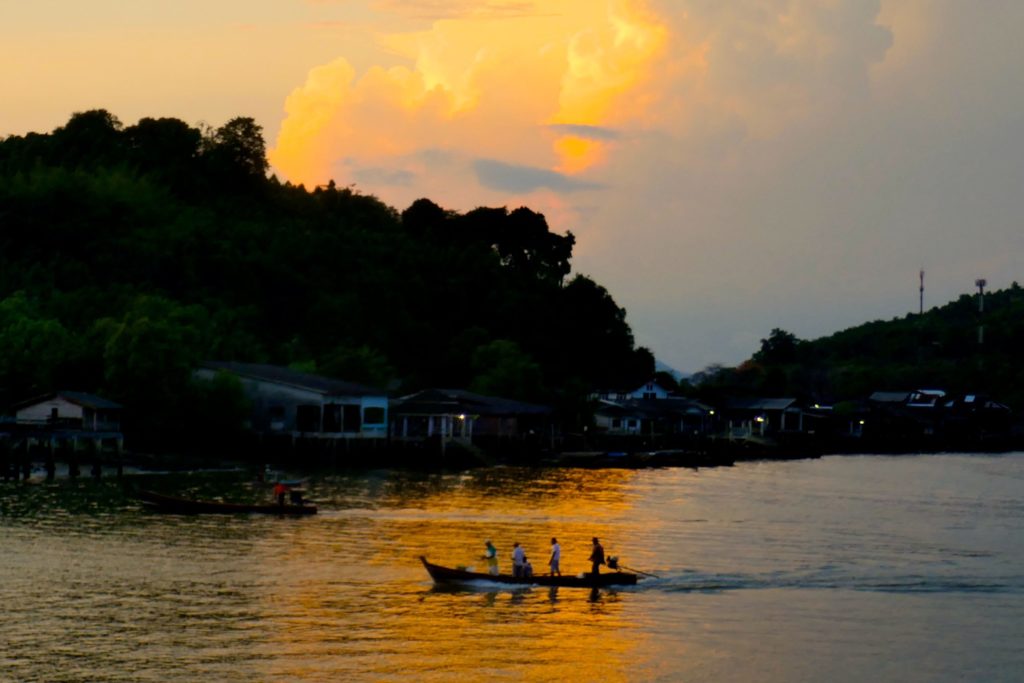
x,y
840,569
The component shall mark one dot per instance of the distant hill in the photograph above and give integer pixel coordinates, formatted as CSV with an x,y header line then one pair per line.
x,y
938,349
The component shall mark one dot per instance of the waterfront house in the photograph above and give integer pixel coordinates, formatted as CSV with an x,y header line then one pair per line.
x,y
903,418
653,416
62,422
762,417
304,405
69,410
464,417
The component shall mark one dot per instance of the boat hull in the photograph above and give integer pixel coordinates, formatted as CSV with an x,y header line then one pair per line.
x,y
448,575
186,506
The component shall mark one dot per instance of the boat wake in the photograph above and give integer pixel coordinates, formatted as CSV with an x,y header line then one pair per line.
x,y
701,582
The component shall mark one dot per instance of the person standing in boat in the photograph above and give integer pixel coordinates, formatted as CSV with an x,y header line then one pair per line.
x,y
518,559
596,557
556,557
491,555
280,491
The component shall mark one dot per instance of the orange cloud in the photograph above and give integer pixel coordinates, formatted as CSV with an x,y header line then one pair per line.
x,y
483,84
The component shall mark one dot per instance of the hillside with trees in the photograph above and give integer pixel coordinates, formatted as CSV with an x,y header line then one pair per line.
x,y
129,254
939,349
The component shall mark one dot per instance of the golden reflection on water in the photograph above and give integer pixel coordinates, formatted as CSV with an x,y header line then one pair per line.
x,y
840,569
354,590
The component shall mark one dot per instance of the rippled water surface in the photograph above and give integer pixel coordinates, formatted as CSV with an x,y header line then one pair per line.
x,y
840,569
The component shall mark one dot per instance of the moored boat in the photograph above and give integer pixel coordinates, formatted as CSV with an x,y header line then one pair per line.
x,y
449,575
188,506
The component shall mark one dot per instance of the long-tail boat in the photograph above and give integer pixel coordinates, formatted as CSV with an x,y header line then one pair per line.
x,y
448,575
188,506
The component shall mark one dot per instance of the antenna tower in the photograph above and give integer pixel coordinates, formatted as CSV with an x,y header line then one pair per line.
x,y
920,310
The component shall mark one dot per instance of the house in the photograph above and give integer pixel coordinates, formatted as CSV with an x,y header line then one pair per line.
x,y
934,413
650,389
301,404
69,410
763,417
465,417
57,425
662,416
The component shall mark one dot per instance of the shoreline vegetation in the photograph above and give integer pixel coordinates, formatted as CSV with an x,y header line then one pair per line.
x,y
130,255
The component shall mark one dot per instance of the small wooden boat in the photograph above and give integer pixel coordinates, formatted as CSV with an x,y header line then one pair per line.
x,y
447,575
188,506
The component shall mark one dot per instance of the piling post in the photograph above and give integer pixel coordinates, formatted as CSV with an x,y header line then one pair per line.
x,y
97,458
5,461
26,462
73,470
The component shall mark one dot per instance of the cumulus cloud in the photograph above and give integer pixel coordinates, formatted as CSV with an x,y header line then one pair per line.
x,y
498,80
746,152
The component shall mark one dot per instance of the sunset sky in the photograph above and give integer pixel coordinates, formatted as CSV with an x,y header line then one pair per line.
x,y
726,167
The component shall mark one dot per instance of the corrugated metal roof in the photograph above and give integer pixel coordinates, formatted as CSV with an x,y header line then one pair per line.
x,y
761,403
302,380
453,401
80,398
889,396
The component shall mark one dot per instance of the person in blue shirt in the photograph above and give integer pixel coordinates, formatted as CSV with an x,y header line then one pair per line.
x,y
491,555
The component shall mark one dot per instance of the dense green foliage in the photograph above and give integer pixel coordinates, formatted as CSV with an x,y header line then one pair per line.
x,y
939,349
130,254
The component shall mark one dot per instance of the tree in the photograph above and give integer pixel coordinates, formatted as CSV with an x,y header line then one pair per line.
x,y
237,149
780,347
503,369
33,349
360,364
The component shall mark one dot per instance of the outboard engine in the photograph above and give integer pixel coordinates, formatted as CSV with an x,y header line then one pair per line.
x,y
612,562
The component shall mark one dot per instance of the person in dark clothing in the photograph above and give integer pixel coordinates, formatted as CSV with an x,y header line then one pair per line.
x,y
596,557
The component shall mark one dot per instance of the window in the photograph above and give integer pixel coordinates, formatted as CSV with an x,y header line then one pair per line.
x,y
307,418
351,421
373,416
332,417
617,423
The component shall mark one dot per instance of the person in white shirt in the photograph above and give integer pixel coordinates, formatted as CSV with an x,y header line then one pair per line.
x,y
518,559
556,557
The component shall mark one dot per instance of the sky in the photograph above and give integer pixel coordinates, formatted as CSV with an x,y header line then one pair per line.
x,y
726,167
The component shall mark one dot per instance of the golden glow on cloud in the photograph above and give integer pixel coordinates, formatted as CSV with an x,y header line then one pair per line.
x,y
482,85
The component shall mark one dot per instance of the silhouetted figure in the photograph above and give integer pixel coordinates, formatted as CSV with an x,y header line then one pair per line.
x,y
596,557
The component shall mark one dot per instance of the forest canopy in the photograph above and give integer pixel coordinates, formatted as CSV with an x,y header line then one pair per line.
x,y
129,254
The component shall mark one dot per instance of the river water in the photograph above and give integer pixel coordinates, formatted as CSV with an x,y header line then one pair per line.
x,y
849,568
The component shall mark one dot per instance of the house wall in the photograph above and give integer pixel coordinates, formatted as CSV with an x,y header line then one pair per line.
x,y
283,408
617,424
41,412
648,391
